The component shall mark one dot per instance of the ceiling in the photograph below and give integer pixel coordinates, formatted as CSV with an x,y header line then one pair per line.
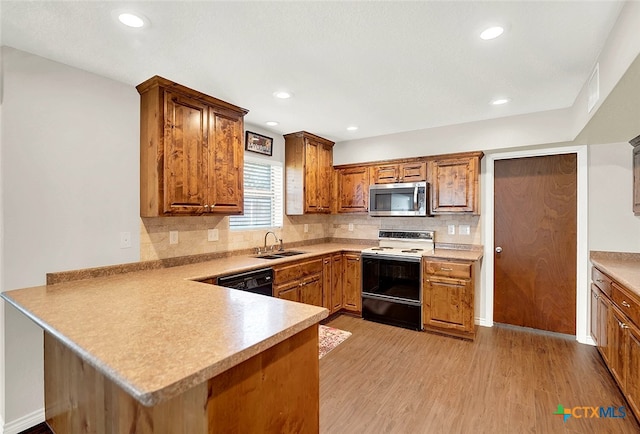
x,y
385,67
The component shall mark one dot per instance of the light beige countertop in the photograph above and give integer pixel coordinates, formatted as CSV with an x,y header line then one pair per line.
x,y
158,332
622,267
466,255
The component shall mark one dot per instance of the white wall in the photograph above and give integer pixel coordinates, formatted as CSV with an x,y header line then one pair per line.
x,y
70,171
612,225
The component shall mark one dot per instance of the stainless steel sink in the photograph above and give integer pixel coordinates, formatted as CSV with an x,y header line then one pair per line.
x,y
279,255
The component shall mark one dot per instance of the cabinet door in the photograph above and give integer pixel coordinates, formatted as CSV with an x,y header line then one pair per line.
x,y
632,390
327,284
311,150
352,283
454,185
288,291
595,294
617,344
311,290
225,194
353,189
385,174
336,282
446,304
413,172
636,180
185,155
325,169
604,311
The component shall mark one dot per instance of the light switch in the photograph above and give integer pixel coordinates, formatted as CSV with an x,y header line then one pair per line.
x,y
306,228
173,237
212,235
350,227
451,229
464,230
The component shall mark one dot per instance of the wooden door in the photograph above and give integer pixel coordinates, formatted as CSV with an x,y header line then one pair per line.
x,y
535,230
413,172
185,155
226,151
311,150
336,282
327,283
617,344
311,290
353,189
288,291
453,185
632,391
385,174
594,326
325,168
352,282
604,311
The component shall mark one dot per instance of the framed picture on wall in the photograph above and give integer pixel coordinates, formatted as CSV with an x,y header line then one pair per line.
x,y
258,143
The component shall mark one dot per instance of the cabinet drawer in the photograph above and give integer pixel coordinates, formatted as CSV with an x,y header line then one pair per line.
x,y
601,280
626,303
459,270
297,270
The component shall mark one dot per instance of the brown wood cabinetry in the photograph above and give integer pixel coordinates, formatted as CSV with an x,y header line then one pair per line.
x,y
308,172
352,282
401,172
337,270
191,152
636,175
617,334
448,296
352,189
299,281
454,184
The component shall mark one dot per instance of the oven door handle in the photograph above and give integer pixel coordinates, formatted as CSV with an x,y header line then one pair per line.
x,y
394,299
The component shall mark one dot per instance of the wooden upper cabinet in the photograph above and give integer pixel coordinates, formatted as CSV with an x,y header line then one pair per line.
x,y
636,175
191,151
308,168
454,184
402,172
352,189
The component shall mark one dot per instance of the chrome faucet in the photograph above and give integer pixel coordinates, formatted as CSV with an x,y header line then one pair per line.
x,y
277,239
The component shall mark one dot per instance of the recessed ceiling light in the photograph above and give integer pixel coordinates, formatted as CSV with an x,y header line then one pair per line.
x,y
491,33
272,123
282,94
131,20
500,101
352,128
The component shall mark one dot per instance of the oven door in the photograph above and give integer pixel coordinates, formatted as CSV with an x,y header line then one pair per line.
x,y
392,278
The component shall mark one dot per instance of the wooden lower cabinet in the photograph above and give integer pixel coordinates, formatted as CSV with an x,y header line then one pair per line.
x,y
617,335
331,281
352,282
448,297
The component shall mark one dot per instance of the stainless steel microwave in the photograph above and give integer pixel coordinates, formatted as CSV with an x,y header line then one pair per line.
x,y
403,199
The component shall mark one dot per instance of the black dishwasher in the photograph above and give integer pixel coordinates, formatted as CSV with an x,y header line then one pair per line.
x,y
256,281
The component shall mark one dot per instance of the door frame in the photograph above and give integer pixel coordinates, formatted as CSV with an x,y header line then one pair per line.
x,y
582,246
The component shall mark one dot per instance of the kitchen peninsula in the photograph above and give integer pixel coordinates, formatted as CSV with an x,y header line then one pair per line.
x,y
154,351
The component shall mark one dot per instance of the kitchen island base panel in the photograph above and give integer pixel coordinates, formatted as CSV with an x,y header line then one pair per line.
x,y
276,391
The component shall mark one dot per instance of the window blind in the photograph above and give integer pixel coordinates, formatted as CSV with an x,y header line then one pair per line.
x,y
262,197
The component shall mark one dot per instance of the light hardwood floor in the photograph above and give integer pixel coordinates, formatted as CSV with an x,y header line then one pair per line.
x,y
386,379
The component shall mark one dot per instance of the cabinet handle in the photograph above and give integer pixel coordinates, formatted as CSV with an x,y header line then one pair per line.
x,y
446,269
213,205
596,296
600,280
625,304
623,325
206,206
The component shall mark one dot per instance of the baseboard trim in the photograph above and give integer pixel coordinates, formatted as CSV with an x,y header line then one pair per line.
x,y
25,422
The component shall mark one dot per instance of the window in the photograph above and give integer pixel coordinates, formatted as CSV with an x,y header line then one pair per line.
x,y
262,197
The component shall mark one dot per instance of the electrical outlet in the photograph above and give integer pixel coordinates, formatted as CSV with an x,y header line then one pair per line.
x,y
464,229
125,240
173,237
350,227
212,235
306,228
451,229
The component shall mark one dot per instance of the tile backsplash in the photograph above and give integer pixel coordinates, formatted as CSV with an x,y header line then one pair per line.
x,y
192,232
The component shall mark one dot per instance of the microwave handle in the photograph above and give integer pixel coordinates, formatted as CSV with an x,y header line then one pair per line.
x,y
415,198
